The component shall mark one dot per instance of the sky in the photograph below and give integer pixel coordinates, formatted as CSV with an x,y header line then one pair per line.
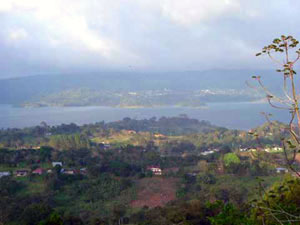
x,y
54,36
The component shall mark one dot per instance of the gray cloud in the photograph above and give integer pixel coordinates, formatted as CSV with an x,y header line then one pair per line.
x,y
41,36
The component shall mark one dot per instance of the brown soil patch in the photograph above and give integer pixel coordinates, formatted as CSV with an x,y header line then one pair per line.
x,y
297,158
155,191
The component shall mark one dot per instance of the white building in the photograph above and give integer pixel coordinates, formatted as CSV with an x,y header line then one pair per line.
x,y
4,174
54,164
155,170
281,170
207,152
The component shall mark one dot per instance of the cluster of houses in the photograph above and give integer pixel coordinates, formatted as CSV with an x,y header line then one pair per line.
x,y
274,149
156,170
267,149
41,171
28,147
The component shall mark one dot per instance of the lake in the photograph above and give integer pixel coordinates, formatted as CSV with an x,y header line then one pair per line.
x,y
243,115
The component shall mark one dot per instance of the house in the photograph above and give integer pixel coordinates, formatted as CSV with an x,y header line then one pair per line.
x,y
278,149
281,170
193,174
242,134
83,171
54,164
129,131
159,136
274,149
69,172
38,171
247,150
21,173
4,174
207,152
104,145
155,170
215,149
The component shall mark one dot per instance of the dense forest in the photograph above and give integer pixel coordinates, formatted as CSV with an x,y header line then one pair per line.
x,y
164,129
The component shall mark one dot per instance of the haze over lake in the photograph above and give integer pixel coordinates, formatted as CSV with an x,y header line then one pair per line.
x,y
231,115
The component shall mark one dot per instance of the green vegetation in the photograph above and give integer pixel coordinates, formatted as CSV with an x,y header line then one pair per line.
x,y
231,159
279,203
150,98
104,178
165,132
75,141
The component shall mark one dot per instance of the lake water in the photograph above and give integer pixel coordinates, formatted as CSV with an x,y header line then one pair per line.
x,y
231,115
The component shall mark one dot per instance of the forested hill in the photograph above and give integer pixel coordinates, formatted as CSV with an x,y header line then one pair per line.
x,y
164,125
139,132
19,90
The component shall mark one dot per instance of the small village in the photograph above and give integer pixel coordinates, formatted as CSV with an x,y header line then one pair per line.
x,y
58,166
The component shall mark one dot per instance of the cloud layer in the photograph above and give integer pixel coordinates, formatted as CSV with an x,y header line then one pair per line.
x,y
44,36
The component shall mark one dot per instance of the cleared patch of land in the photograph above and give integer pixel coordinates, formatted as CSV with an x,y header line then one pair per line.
x,y
155,191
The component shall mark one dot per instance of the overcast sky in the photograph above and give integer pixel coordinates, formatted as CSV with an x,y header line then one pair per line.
x,y
46,36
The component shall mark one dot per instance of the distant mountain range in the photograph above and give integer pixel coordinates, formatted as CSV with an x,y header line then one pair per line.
x,y
33,88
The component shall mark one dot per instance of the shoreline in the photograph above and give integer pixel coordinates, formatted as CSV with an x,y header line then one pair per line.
x,y
107,106
234,115
204,106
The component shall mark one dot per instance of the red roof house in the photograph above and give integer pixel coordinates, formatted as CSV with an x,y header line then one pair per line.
x,y
38,171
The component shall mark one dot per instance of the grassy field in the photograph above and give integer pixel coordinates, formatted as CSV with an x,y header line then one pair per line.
x,y
138,139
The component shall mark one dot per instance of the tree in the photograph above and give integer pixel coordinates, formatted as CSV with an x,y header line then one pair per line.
x,y
202,166
232,162
45,153
280,205
280,51
55,219
35,212
229,215
206,178
119,212
231,158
